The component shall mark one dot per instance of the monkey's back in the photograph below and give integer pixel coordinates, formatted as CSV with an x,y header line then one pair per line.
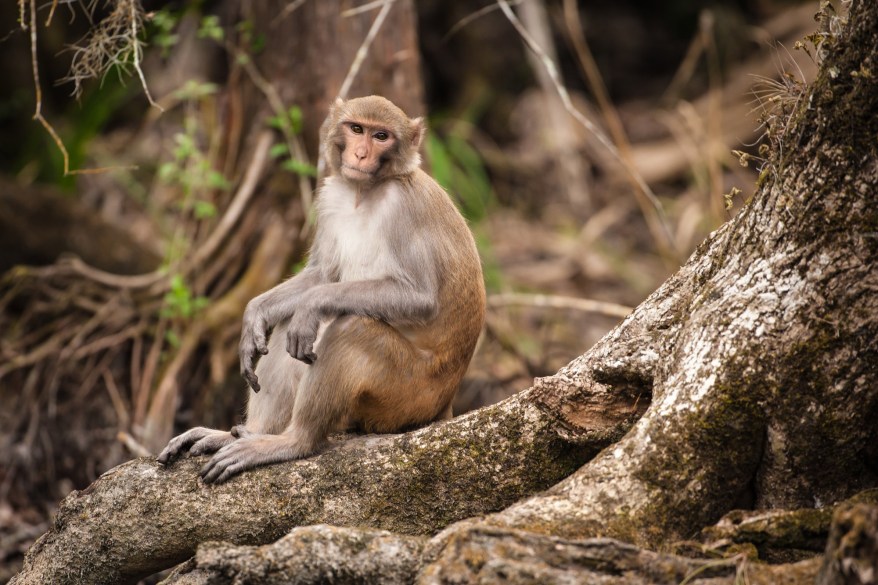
x,y
451,335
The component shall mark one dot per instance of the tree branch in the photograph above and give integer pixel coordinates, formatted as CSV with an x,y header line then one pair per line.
x,y
148,518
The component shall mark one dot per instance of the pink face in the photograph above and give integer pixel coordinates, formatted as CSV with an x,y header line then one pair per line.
x,y
365,146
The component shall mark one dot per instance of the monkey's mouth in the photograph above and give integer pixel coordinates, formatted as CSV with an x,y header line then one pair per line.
x,y
363,172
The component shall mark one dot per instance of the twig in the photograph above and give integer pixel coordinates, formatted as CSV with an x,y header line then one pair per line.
x,y
131,443
150,367
107,342
473,16
51,12
364,49
114,280
38,92
686,69
707,22
362,8
593,76
558,302
137,50
656,218
297,149
288,9
239,202
50,347
123,411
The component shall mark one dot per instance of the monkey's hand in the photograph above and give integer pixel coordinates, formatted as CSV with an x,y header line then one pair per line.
x,y
197,441
302,333
253,343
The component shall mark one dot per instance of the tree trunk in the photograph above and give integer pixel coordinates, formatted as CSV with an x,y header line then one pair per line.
x,y
762,351
758,361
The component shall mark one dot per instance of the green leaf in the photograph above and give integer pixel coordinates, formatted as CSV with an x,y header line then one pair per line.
x,y
204,209
258,43
278,122
168,171
211,29
278,150
295,116
185,146
300,168
193,90
172,338
216,180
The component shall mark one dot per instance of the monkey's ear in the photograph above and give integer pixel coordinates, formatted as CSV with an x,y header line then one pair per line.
x,y
338,102
418,131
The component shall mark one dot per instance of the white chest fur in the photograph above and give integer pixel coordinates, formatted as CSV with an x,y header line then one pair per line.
x,y
358,247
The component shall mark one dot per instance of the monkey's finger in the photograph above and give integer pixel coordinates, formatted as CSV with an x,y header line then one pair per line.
x,y
303,354
211,444
293,346
179,444
250,377
210,469
241,432
222,470
230,471
308,355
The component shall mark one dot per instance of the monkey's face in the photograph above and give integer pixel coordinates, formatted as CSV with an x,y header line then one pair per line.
x,y
366,146
369,140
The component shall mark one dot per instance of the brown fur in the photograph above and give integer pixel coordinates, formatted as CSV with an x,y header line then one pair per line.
x,y
378,330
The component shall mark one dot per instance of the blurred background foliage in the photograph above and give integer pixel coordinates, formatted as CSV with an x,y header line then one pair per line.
x,y
124,280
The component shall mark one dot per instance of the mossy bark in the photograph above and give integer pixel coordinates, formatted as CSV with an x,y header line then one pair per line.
x,y
761,352
140,517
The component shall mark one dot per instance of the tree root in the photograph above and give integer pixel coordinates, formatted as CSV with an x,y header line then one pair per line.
x,y
145,518
312,554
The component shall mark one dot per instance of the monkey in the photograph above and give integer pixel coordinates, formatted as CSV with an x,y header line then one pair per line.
x,y
377,330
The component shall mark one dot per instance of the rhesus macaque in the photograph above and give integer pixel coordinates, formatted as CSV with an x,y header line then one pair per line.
x,y
377,330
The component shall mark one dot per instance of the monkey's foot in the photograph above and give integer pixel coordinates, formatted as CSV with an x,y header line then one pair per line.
x,y
197,441
253,450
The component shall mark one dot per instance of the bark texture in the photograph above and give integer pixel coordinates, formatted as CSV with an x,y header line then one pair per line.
x,y
852,551
312,554
761,352
140,518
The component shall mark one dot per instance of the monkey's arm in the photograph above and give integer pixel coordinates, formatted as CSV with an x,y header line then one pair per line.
x,y
387,299
266,311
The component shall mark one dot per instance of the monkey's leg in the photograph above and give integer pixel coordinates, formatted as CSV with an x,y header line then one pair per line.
x,y
270,410
366,372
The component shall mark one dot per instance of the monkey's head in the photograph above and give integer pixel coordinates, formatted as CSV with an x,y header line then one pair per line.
x,y
367,140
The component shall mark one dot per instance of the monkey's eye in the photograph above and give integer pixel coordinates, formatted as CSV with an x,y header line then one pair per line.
x,y
356,129
381,136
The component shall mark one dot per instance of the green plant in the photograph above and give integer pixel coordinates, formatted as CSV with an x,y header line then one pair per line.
x,y
457,166
179,302
191,168
459,169
161,30
290,123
